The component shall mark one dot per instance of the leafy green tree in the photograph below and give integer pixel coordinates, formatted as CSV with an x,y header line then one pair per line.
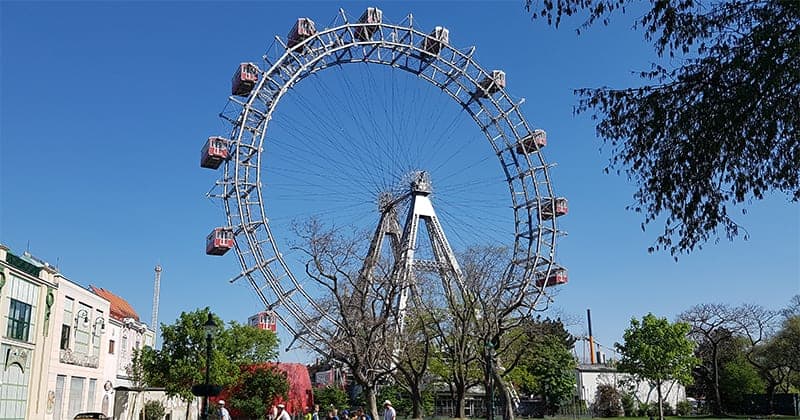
x,y
330,396
715,123
181,361
786,344
546,366
401,399
657,351
737,378
257,389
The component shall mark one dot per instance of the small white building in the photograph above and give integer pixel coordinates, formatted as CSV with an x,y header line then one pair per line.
x,y
75,375
590,376
126,334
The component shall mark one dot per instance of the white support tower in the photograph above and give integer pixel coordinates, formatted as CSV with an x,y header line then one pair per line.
x,y
421,210
156,293
404,243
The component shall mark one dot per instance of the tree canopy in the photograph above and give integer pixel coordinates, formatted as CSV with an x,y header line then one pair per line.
x,y
657,351
744,349
546,367
181,361
257,389
713,126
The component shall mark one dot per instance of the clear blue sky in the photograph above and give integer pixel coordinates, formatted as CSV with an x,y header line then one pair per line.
x,y
105,107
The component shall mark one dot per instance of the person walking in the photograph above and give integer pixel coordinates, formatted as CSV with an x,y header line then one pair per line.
x,y
315,414
360,414
223,412
282,413
332,414
388,412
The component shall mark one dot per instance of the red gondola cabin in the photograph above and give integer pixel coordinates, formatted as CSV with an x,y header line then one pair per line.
x,y
214,152
533,141
302,30
561,208
557,276
244,80
219,241
491,84
372,16
433,43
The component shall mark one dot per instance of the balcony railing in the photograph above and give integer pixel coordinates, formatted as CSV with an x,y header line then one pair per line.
x,y
79,359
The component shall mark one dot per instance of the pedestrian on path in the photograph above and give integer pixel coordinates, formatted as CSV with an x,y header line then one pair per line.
x,y
389,413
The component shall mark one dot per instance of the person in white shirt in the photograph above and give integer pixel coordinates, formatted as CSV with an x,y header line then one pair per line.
x,y
282,413
223,412
389,413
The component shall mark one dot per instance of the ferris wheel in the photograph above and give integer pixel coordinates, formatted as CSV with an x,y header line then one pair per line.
x,y
305,144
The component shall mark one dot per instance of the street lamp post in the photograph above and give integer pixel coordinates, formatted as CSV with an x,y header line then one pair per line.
x,y
209,327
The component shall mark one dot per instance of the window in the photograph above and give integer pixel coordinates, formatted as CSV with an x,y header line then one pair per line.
x,y
90,395
60,380
19,320
110,346
75,404
65,332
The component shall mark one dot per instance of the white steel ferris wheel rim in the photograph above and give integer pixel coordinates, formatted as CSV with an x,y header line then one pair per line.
x,y
454,72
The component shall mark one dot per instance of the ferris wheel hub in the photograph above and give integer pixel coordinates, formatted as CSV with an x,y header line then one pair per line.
x,y
421,183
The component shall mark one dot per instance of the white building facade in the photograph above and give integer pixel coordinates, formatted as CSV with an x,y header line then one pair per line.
x,y
76,365
589,377
126,334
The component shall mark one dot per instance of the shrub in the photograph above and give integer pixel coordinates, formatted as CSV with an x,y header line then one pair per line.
x,y
330,396
652,409
154,410
607,402
643,410
668,411
628,405
683,408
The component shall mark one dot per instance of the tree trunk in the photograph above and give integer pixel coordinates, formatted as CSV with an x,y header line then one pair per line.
x,y
460,397
771,395
717,407
188,408
505,397
660,401
416,402
133,412
373,406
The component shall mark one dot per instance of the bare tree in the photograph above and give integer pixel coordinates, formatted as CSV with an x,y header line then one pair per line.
x,y
757,324
499,302
712,326
363,303
456,344
413,358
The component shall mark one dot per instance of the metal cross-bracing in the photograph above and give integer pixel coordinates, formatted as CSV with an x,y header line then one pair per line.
x,y
428,55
